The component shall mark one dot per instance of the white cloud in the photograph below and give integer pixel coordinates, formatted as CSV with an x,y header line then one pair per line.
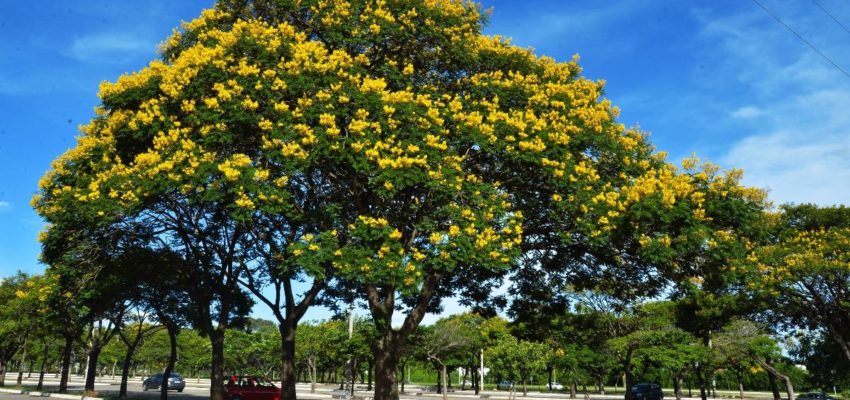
x,y
5,205
109,46
746,112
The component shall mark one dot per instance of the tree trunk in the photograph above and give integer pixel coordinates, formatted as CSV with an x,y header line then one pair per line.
x,y
789,387
677,386
740,387
172,358
287,359
774,387
217,365
91,367
41,375
702,384
600,383
313,377
573,389
21,365
125,370
403,377
2,373
370,366
387,352
65,370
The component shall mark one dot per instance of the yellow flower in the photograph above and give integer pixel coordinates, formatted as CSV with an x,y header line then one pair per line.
x,y
395,234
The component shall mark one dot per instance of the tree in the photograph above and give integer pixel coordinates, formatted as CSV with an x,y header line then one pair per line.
x,y
16,318
392,144
441,342
761,348
805,270
517,360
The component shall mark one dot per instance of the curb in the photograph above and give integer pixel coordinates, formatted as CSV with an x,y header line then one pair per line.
x,y
53,395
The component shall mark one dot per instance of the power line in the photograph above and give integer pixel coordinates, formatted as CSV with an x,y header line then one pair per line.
x,y
830,15
802,38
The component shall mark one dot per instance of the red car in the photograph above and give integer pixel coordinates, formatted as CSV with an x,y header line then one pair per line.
x,y
250,388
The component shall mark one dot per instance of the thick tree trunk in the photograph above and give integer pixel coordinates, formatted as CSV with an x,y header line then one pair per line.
x,y
387,353
65,370
172,358
217,365
91,367
287,359
573,389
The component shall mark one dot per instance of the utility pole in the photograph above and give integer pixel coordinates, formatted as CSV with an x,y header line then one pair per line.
x,y
350,334
481,374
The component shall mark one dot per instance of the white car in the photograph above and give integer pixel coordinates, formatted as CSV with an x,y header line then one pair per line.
x,y
555,386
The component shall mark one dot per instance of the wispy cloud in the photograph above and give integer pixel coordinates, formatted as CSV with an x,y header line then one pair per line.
x,y
799,146
5,205
109,45
746,112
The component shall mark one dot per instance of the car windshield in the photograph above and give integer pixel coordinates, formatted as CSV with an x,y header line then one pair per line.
x,y
175,375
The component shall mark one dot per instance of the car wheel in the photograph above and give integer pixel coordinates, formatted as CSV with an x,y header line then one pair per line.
x,y
235,398
144,387
179,390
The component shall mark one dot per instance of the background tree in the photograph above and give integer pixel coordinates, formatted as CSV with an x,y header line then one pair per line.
x,y
804,271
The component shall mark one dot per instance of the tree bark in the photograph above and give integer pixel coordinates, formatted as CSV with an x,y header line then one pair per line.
x,y
66,364
387,353
91,367
217,365
774,387
573,389
287,358
125,370
677,386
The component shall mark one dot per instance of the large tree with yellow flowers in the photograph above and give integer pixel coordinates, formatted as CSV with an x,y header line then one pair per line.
x,y
804,272
388,145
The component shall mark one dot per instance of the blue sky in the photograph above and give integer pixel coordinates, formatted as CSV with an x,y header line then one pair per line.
x,y
721,79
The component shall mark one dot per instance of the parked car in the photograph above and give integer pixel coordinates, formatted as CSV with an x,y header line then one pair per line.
x,y
555,386
815,396
175,382
504,385
647,391
250,388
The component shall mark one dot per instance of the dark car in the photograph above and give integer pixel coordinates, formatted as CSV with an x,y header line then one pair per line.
x,y
647,391
250,388
504,385
815,396
175,382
